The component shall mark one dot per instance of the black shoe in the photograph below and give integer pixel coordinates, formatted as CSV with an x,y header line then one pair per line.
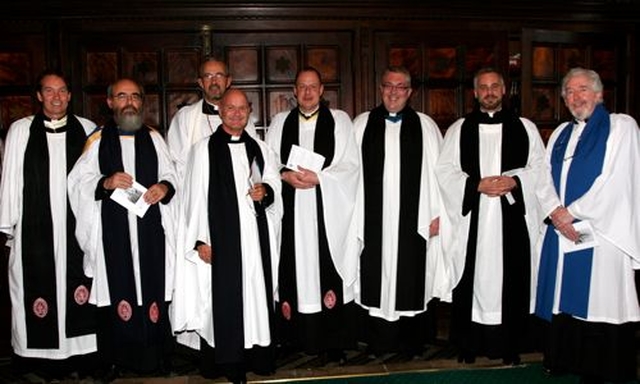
x,y
511,360
467,358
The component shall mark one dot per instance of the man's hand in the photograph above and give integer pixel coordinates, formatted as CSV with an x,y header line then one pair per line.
x,y
155,193
563,221
434,227
258,192
494,186
303,179
205,253
118,180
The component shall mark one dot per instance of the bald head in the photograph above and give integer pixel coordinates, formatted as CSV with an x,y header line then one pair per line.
x,y
234,111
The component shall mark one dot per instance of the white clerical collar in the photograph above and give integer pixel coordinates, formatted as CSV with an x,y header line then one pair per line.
x,y
491,113
55,124
310,115
235,138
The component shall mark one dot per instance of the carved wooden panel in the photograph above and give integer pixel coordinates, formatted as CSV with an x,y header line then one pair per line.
x,y
141,66
245,64
282,64
326,61
181,66
21,59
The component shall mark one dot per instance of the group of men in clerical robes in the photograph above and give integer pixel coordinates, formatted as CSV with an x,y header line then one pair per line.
x,y
329,233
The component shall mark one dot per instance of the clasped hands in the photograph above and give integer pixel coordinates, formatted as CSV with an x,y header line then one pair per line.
x,y
303,179
494,186
154,194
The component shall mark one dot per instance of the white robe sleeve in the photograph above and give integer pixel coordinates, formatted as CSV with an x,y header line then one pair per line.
x,y
454,228
169,212
192,275
339,183
12,177
611,203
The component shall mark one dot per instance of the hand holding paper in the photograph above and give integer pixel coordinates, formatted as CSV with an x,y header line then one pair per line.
x,y
131,198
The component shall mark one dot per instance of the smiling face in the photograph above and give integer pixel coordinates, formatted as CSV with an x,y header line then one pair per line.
x,y
234,112
489,91
308,91
580,96
395,91
54,96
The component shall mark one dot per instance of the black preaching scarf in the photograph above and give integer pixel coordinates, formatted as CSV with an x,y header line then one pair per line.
x,y
38,260
411,246
324,144
225,232
515,237
140,325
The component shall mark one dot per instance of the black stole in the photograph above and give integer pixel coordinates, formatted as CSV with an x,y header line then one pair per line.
x,y
411,246
38,260
225,232
324,144
146,324
515,244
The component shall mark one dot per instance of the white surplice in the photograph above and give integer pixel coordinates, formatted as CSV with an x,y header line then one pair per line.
x,y
429,209
338,183
611,207
11,195
454,228
82,183
192,312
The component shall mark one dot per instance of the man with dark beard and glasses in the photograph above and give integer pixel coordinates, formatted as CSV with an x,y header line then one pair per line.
x,y
131,258
200,119
487,172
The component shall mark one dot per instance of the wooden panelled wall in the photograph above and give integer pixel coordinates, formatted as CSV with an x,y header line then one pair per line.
x,y
162,51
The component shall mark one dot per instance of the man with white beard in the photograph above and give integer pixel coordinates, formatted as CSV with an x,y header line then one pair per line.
x,y
130,258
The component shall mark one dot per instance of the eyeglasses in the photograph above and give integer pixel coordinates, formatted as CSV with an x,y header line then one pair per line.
x,y
214,76
388,87
136,97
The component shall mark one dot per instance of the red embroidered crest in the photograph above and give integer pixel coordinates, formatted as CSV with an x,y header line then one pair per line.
x,y
81,295
124,310
40,307
286,310
154,312
330,299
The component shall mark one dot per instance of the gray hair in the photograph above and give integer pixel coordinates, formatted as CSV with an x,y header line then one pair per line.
x,y
594,79
397,69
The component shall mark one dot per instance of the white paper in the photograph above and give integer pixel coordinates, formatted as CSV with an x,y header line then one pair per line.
x,y
511,173
255,176
131,198
587,238
301,157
